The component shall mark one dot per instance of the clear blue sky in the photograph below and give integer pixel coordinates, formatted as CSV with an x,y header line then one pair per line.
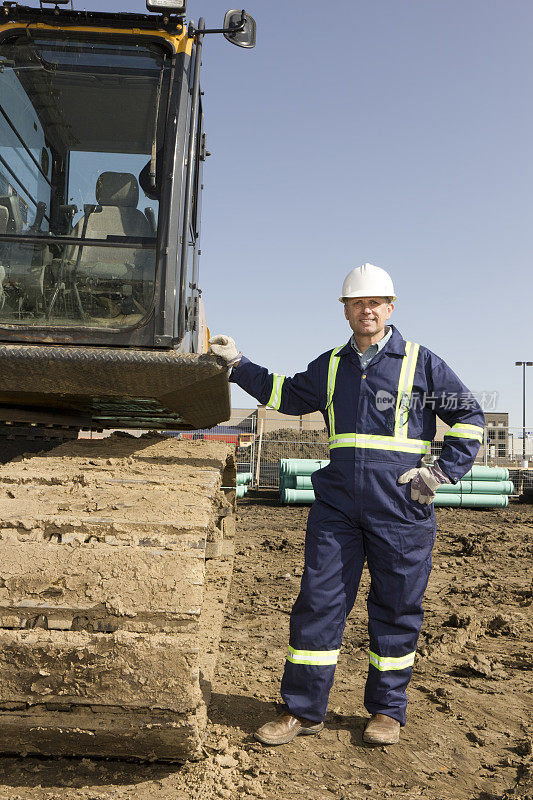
x,y
395,131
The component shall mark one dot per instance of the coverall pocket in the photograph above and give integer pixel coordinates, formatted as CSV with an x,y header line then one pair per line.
x,y
333,485
413,509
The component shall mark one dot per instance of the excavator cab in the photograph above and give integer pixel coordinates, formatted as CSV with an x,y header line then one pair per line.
x,y
101,152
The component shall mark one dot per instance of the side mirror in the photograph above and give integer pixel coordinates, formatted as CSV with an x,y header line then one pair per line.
x,y
242,28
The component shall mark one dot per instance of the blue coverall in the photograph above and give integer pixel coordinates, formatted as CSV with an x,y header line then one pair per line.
x,y
381,421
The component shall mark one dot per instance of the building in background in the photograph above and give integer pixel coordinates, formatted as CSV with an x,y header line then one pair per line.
x,y
499,440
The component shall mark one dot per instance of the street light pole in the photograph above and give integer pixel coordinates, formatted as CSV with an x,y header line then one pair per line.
x,y
523,364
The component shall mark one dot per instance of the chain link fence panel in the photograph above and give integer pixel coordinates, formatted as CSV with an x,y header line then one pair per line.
x,y
277,438
291,439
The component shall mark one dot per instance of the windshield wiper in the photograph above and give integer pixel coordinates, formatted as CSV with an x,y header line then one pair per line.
x,y
153,157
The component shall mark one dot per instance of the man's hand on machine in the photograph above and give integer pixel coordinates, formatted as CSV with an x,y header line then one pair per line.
x,y
424,481
225,347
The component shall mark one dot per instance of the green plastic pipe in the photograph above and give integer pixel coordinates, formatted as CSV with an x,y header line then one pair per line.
x,y
295,482
241,490
288,481
243,478
301,466
464,486
307,496
477,487
472,500
306,466
297,496
302,482
479,473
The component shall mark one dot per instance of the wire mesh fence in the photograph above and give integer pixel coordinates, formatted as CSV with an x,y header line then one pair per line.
x,y
293,441
507,446
277,438
239,432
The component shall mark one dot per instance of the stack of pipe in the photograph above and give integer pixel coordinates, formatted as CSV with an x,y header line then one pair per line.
x,y
486,487
295,487
243,480
482,487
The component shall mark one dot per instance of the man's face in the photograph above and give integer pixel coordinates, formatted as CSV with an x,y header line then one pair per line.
x,y
367,316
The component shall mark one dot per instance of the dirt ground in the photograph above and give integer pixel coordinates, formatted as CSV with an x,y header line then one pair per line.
x,y
468,735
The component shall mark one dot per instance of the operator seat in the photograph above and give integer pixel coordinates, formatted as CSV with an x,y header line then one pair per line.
x,y
10,205
4,219
117,194
10,222
22,262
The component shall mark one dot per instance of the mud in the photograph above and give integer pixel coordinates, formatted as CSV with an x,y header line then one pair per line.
x,y
468,735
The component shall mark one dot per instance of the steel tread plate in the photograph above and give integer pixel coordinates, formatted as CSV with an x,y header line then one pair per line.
x,y
114,385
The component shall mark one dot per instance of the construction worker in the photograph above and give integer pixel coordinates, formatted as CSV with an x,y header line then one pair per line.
x,y
380,396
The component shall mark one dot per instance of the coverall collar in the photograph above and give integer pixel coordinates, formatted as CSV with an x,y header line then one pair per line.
x,y
395,345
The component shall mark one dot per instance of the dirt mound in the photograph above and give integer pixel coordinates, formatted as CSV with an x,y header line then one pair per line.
x,y
290,443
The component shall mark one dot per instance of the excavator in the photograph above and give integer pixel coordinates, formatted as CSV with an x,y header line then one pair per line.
x,y
116,552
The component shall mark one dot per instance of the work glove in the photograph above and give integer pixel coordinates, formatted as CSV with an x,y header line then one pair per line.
x,y
424,481
225,347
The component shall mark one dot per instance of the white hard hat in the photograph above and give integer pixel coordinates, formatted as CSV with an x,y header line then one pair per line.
x,y
367,281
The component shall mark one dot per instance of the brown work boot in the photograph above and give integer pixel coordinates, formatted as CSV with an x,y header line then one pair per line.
x,y
381,729
285,728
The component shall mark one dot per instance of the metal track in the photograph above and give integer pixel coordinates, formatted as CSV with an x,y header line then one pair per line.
x,y
110,612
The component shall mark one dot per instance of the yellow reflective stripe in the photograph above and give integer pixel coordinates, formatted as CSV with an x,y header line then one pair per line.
x,y
461,435
465,431
386,663
374,442
313,658
275,397
332,376
476,428
405,388
401,383
410,379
